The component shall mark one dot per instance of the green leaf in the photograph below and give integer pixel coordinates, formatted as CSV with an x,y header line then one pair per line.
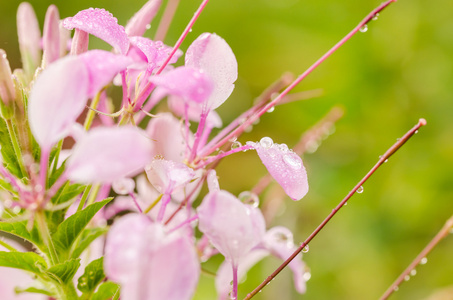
x,y
35,291
86,238
93,276
107,290
66,193
64,272
68,231
28,261
20,229
7,150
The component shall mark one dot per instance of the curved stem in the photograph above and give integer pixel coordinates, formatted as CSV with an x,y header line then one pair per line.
x,y
400,142
91,112
16,146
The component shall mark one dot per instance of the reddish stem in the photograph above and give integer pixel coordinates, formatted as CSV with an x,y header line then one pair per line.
x,y
433,243
301,77
400,142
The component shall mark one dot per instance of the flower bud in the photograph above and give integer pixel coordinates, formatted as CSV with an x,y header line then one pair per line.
x,y
51,36
29,38
7,90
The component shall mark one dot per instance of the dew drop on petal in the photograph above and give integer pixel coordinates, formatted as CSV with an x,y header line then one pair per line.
x,y
293,160
249,198
364,28
423,261
283,147
306,249
266,142
360,190
235,145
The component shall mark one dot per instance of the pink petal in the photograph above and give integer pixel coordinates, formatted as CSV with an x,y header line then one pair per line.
x,y
102,67
155,53
7,90
57,98
107,154
149,264
159,129
102,24
51,35
279,241
194,111
231,226
213,55
187,83
167,175
141,21
285,166
29,37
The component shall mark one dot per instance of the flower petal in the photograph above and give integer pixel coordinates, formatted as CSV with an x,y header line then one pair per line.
x,y
138,24
213,55
102,67
149,264
102,24
232,227
187,83
155,52
167,175
57,98
107,154
285,166
51,35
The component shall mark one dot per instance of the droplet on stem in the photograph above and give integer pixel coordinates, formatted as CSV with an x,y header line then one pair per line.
x,y
306,249
364,28
360,190
235,145
423,261
407,278
375,17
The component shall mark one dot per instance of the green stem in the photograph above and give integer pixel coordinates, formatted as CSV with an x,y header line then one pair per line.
x,y
153,204
91,113
44,230
57,156
94,193
16,147
84,198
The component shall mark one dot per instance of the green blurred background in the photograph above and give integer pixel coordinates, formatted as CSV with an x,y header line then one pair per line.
x,y
385,79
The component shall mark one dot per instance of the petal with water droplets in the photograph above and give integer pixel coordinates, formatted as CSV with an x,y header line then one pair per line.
x,y
286,168
102,24
213,55
167,175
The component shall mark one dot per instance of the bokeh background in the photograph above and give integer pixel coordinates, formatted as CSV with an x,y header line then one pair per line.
x,y
385,80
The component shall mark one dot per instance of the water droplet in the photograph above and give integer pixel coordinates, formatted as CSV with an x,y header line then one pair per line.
x,y
360,190
306,249
266,142
190,30
249,198
271,109
398,139
148,26
306,276
413,272
375,17
283,147
312,146
364,28
416,131
346,203
407,278
293,160
248,128
396,288
423,261
235,145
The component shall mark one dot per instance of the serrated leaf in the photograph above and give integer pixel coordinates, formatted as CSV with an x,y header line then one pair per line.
x,y
20,229
93,276
7,150
28,261
87,237
64,272
107,290
70,229
66,193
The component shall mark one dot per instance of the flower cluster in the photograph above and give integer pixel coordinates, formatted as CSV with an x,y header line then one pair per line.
x,y
61,161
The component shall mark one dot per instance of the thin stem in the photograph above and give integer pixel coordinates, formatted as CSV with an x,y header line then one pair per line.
x,y
446,229
234,292
44,230
136,202
184,223
165,22
382,159
301,77
91,112
7,246
153,204
222,155
84,198
16,146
